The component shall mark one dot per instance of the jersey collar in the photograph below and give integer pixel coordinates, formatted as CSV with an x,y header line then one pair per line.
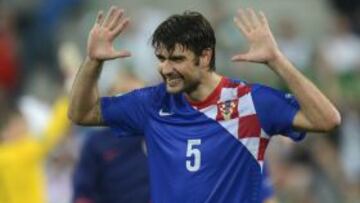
x,y
212,98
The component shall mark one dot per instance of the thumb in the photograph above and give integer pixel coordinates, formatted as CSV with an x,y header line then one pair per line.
x,y
240,57
121,54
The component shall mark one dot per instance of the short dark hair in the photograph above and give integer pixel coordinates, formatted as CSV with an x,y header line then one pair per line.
x,y
7,113
190,30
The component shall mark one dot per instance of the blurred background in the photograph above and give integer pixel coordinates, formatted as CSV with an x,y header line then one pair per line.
x,y
42,43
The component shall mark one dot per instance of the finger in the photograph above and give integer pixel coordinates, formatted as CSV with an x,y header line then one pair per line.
x,y
254,20
109,16
244,19
263,19
121,54
100,18
120,27
240,57
241,26
119,13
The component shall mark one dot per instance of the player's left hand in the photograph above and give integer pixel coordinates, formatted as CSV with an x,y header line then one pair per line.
x,y
255,27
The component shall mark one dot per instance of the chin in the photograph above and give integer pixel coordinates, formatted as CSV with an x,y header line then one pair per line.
x,y
174,90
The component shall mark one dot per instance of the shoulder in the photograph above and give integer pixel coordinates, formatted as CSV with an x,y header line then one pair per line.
x,y
257,88
254,87
141,96
266,94
147,92
155,90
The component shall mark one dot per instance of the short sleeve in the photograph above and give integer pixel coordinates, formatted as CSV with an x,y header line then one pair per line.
x,y
276,111
126,114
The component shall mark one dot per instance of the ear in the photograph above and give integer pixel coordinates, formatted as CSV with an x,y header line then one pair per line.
x,y
206,57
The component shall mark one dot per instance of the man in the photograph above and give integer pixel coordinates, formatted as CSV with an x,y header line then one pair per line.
x,y
111,169
206,134
22,155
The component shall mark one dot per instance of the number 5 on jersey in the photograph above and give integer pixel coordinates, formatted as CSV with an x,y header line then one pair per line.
x,y
193,154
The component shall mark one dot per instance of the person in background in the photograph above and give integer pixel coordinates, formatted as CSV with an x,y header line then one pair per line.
x,y
25,148
112,169
22,155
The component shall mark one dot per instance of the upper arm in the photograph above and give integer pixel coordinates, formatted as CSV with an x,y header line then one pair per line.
x,y
301,122
126,114
276,111
93,117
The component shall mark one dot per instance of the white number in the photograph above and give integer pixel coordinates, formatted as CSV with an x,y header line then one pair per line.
x,y
192,151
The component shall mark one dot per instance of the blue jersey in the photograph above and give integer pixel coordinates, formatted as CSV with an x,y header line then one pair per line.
x,y
111,170
211,151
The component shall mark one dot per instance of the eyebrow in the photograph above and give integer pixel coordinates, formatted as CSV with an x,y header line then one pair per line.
x,y
172,57
159,56
177,57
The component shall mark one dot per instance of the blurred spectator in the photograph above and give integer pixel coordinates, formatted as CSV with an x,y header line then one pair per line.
x,y
350,9
61,163
60,166
39,30
112,169
22,155
9,59
339,63
26,142
297,175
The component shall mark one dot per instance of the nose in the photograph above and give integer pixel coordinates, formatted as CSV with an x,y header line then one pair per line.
x,y
165,67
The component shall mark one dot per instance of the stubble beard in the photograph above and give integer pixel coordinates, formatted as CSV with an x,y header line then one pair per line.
x,y
186,87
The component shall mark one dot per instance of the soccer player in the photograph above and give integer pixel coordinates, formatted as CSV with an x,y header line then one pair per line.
x,y
206,134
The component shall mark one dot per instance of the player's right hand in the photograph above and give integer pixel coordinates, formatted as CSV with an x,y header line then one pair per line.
x,y
100,45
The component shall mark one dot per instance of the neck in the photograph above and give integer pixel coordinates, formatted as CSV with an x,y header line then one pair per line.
x,y
208,83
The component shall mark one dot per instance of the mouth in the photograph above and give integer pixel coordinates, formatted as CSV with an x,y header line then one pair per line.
x,y
173,81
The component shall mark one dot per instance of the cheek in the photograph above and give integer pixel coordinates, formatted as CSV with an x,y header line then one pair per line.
x,y
187,70
194,73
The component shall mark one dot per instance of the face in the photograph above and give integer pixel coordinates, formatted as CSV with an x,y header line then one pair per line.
x,y
180,69
15,128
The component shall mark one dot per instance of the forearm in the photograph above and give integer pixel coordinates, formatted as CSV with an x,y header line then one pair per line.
x,y
84,97
315,106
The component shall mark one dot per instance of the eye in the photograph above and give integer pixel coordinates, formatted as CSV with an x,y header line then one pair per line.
x,y
177,59
161,58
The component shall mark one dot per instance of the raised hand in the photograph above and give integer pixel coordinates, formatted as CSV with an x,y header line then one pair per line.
x,y
255,27
101,38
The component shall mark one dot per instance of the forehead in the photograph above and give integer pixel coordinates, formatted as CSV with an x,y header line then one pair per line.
x,y
178,50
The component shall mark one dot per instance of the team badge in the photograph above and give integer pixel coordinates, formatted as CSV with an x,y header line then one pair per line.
x,y
227,110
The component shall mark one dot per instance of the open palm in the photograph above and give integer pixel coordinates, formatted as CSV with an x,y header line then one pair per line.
x,y
101,38
255,27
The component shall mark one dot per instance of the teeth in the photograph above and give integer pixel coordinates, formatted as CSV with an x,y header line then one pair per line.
x,y
173,81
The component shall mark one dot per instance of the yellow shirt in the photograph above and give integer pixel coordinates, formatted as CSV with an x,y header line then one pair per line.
x,y
22,176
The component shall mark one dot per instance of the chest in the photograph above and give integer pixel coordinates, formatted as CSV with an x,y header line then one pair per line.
x,y
207,138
